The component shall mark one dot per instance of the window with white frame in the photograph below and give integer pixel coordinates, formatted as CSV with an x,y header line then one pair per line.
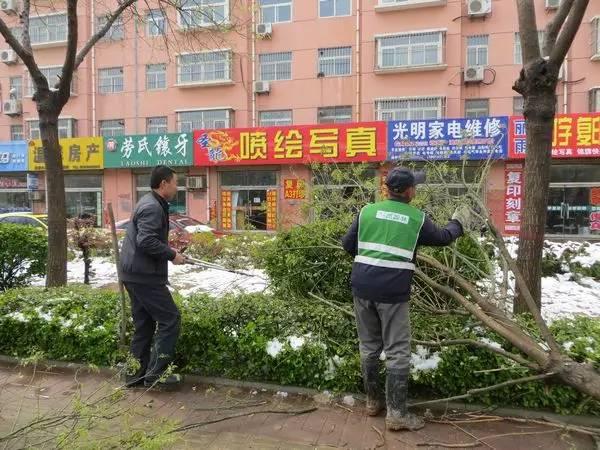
x,y
116,32
280,118
477,107
156,77
596,37
203,13
15,87
155,23
410,108
595,100
334,8
110,80
519,50
477,50
52,74
206,67
157,125
275,66
67,128
48,29
275,11
410,50
111,128
518,106
209,119
334,114
16,133
335,62
17,32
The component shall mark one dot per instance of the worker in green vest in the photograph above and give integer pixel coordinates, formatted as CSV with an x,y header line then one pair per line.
x,y
383,240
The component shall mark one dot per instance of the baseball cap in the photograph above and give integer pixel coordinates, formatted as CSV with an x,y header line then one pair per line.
x,y
399,179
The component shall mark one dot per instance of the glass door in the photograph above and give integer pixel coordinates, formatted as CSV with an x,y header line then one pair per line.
x,y
87,202
250,209
570,209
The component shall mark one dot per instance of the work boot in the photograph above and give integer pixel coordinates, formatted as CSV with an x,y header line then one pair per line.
x,y
133,373
166,383
370,374
398,417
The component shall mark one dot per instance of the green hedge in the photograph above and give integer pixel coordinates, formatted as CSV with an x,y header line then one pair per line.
x,y
230,337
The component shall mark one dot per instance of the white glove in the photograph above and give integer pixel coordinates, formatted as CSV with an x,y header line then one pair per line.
x,y
463,215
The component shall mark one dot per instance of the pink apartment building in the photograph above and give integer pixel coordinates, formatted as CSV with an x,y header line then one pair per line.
x,y
290,62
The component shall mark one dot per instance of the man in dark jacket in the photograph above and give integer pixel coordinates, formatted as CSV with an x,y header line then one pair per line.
x,y
145,255
383,240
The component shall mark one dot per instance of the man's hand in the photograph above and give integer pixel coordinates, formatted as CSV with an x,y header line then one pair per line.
x,y
464,215
179,259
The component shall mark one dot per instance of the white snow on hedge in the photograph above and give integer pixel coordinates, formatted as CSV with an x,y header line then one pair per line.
x,y
274,348
423,360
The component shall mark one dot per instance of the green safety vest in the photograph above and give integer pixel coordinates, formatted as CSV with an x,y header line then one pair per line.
x,y
388,232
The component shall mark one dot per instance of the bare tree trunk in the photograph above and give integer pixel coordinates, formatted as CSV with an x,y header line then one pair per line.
x,y
57,222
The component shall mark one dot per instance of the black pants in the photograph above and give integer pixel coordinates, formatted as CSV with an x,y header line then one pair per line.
x,y
152,305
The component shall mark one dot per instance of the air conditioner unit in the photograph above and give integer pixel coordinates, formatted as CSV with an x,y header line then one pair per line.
x,y
474,74
8,56
262,87
12,107
8,6
196,182
478,8
552,4
264,30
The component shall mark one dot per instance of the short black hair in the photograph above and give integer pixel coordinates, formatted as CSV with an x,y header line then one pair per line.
x,y
160,174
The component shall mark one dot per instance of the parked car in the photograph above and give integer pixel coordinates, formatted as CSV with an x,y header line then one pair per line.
x,y
23,218
181,229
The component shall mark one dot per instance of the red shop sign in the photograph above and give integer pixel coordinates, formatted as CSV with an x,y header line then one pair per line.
x,y
513,197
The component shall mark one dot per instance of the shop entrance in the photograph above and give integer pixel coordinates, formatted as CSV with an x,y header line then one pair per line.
x,y
83,194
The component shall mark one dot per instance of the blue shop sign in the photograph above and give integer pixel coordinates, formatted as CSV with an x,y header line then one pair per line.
x,y
448,139
13,156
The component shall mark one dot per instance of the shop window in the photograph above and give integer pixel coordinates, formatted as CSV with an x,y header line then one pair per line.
x,y
14,199
177,205
83,194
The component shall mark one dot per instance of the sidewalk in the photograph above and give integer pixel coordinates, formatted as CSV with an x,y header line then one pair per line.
x,y
26,395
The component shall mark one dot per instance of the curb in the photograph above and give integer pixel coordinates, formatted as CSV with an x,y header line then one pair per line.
x,y
587,421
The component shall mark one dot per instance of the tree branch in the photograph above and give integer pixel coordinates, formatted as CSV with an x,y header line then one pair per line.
x,y
528,31
556,24
101,32
569,30
26,36
64,85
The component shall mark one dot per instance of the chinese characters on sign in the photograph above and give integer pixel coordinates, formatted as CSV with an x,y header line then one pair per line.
x,y
148,150
513,197
13,156
271,210
12,183
359,142
448,139
226,210
574,136
77,154
294,189
595,221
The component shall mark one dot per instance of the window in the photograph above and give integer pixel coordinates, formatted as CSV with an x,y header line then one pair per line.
x,y
596,37
518,106
67,128
477,50
48,29
116,32
16,87
52,74
275,11
275,118
410,108
157,125
519,51
17,33
334,8
111,128
595,100
207,67
335,62
110,81
203,13
16,133
210,119
275,66
410,50
155,23
335,114
176,205
156,77
477,107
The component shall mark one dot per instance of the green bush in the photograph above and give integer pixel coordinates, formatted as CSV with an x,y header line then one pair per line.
x,y
22,254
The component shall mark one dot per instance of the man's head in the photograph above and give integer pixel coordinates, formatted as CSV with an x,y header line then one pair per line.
x,y
163,181
401,183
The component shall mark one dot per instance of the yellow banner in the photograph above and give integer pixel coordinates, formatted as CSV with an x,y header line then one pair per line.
x,y
85,153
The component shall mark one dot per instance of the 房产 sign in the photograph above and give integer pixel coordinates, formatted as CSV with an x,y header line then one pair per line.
x,y
513,197
148,150
448,139
77,154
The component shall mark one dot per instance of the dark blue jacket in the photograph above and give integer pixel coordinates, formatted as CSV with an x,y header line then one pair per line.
x,y
385,285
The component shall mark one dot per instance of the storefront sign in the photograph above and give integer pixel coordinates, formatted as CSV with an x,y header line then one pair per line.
x,y
271,210
595,196
13,156
294,189
595,221
574,136
12,183
357,142
148,150
77,154
33,182
226,222
448,139
513,197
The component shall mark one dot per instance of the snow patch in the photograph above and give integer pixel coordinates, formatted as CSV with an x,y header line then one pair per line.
x,y
274,348
423,361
